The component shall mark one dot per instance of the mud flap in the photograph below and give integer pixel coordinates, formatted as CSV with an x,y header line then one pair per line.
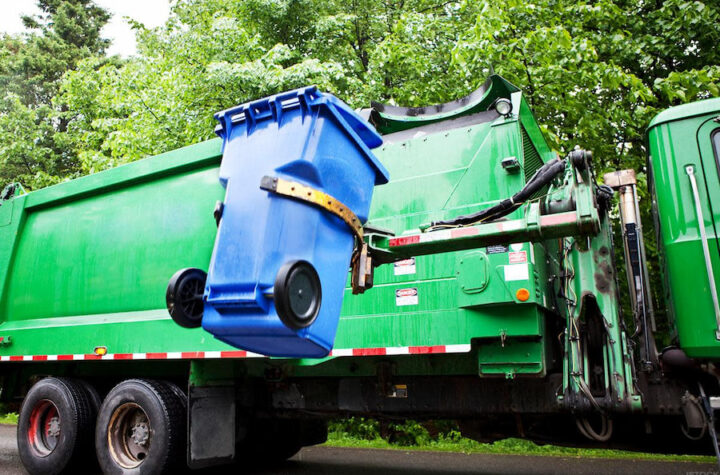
x,y
211,426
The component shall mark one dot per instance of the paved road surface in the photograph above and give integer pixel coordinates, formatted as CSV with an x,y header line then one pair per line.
x,y
332,461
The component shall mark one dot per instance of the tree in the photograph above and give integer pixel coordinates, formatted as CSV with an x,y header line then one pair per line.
x,y
594,72
31,67
213,54
597,72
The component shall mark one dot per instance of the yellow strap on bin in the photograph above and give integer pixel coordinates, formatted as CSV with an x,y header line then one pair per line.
x,y
315,197
362,268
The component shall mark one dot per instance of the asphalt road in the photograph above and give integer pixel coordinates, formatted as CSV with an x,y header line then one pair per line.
x,y
337,461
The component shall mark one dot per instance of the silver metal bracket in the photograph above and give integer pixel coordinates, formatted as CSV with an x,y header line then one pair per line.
x,y
620,178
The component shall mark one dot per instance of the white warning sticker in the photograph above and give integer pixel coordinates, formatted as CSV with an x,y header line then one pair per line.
x,y
517,257
405,267
406,297
516,272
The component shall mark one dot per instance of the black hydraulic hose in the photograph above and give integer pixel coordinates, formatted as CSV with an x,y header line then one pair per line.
x,y
543,176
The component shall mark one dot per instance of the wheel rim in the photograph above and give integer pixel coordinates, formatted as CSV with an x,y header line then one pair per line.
x,y
298,294
129,435
191,296
44,428
302,294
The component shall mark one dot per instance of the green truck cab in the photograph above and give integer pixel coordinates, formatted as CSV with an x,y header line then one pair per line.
x,y
684,148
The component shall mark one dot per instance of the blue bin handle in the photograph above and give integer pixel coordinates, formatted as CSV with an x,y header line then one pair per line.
x,y
305,98
273,106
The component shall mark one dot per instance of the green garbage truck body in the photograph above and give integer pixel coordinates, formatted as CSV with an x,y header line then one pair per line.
x,y
501,313
86,263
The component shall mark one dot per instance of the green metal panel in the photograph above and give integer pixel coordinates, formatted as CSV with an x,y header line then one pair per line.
x,y
438,174
85,263
678,138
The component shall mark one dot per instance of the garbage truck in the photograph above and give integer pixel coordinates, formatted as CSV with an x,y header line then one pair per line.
x,y
217,304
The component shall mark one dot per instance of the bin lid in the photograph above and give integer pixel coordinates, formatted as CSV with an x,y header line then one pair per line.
x,y
271,108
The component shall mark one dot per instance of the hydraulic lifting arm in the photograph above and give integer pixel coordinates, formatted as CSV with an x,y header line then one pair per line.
x,y
598,368
574,214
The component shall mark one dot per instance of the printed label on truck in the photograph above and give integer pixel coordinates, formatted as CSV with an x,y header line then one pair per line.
x,y
517,257
406,297
499,249
405,267
516,272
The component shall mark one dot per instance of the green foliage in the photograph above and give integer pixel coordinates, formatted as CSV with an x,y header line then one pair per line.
x,y
9,418
407,433
213,54
594,72
8,413
358,427
32,150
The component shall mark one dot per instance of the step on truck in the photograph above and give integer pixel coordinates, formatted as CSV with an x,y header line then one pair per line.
x,y
217,304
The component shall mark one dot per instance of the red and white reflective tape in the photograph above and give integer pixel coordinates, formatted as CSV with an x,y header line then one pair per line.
x,y
502,226
191,355
402,350
443,235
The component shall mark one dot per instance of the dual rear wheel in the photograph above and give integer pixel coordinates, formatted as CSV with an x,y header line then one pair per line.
x,y
138,429
141,428
56,427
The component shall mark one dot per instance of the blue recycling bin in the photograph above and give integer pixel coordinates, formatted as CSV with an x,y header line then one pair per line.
x,y
279,265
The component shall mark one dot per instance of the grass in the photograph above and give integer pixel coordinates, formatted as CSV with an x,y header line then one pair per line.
x,y
454,442
9,418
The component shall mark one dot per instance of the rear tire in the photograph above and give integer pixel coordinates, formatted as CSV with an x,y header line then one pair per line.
x,y
141,428
94,396
55,427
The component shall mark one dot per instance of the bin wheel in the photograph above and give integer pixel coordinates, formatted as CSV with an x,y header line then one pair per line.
x,y
56,426
141,428
184,297
297,294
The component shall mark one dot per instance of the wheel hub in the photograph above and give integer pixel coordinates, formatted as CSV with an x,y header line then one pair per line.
x,y
129,435
54,427
44,428
140,433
